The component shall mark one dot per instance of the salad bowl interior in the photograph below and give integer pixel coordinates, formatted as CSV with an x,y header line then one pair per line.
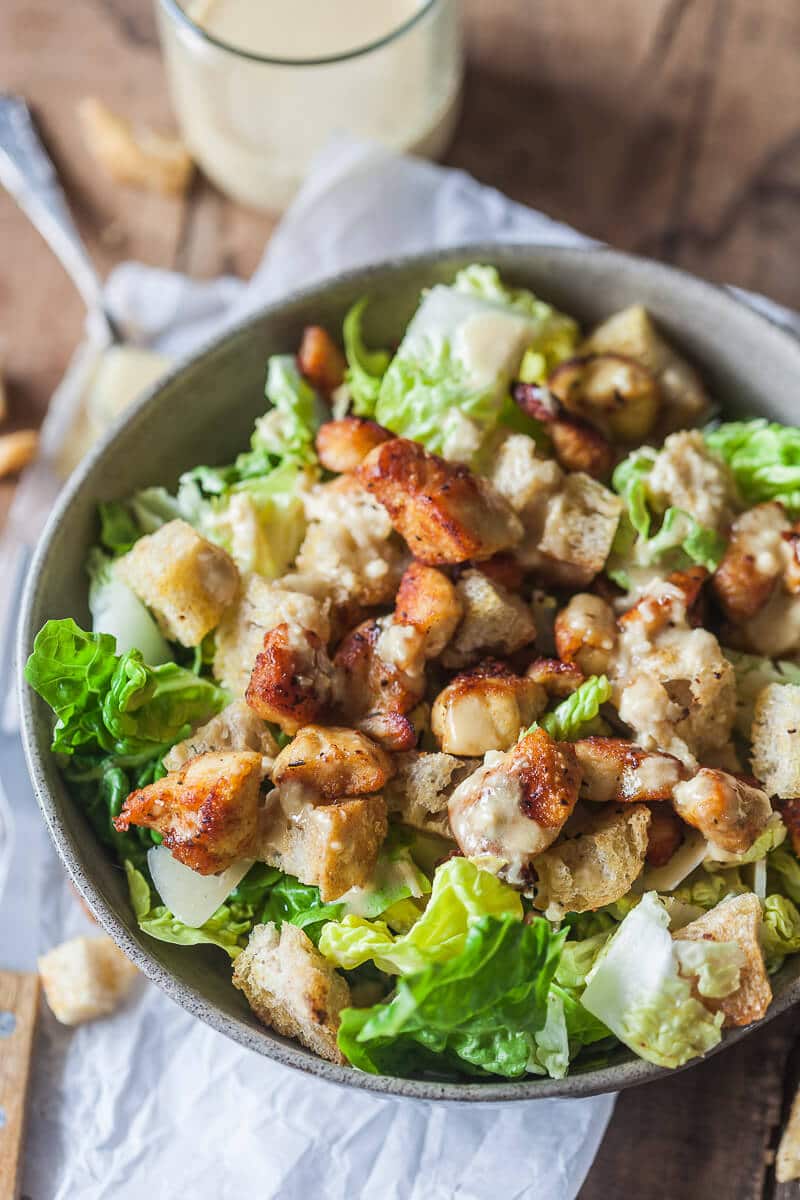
x,y
204,412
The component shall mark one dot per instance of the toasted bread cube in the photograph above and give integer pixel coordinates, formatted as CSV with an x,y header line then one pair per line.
x,y
85,978
333,761
776,739
262,606
580,874
737,919
419,791
686,473
579,527
494,621
333,846
236,728
632,333
188,582
292,988
206,812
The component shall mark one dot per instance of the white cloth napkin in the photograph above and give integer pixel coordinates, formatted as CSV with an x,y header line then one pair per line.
x,y
150,1102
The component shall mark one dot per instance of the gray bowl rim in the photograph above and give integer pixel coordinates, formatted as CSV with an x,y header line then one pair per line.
x,y
622,1075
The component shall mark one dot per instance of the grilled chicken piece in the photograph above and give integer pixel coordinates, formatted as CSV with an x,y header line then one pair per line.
x,y
515,805
618,771
373,689
485,709
670,602
291,681
586,633
343,445
664,835
320,360
728,812
429,603
577,445
206,812
559,679
754,561
333,762
618,395
445,513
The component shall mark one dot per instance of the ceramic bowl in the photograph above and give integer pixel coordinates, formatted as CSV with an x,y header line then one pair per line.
x,y
203,412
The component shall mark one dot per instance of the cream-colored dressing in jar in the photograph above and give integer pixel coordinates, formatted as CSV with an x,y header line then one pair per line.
x,y
388,70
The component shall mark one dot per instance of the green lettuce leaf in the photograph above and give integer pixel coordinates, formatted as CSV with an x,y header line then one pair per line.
x,y
110,704
462,894
783,873
780,931
570,720
704,889
288,430
478,1011
636,990
365,368
764,458
568,1028
228,928
299,904
578,958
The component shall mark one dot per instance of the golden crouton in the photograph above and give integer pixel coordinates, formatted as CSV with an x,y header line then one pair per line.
x,y
156,161
686,473
494,621
787,1160
632,333
579,526
85,978
187,581
419,791
729,812
737,919
333,761
445,513
333,846
206,812
292,678
292,988
321,362
236,728
615,770
261,606
485,709
776,739
344,444
596,867
515,805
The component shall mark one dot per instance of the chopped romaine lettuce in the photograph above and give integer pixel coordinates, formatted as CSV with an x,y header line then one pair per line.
x,y
118,611
704,889
365,368
636,990
780,931
287,431
764,458
573,716
783,873
228,928
462,894
477,1012
578,958
110,704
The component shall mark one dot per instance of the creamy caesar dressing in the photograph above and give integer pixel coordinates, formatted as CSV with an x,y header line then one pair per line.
x,y
253,125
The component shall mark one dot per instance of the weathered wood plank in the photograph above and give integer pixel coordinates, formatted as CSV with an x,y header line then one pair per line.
x,y
19,994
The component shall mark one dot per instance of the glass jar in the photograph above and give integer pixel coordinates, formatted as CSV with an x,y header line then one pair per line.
x,y
253,121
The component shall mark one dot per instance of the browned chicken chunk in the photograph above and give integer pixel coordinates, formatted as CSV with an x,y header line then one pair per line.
x,y
445,513
333,762
753,563
515,805
344,444
728,812
558,678
617,770
577,445
374,690
291,681
320,360
586,633
206,812
485,709
428,601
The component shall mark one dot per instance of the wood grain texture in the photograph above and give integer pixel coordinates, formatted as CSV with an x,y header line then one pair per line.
x,y
667,127
19,996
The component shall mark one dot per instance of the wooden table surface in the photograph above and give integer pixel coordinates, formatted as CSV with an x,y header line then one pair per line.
x,y
668,127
